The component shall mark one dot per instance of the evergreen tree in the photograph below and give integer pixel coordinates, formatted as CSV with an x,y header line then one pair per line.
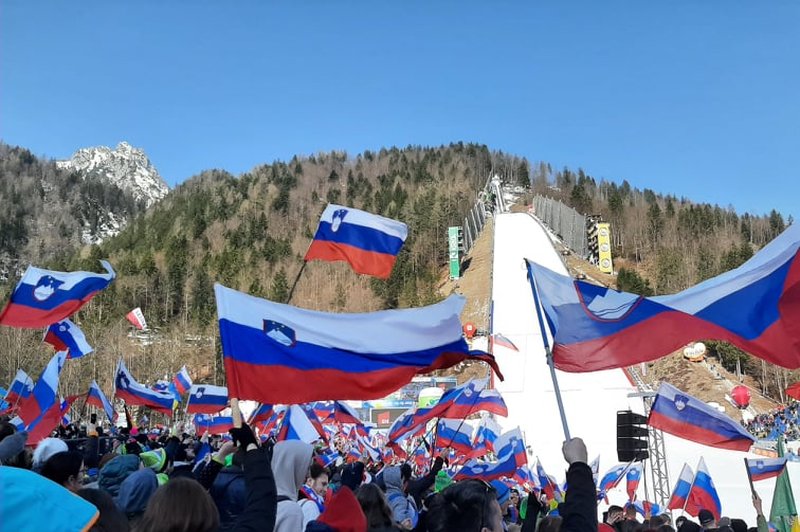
x,y
279,291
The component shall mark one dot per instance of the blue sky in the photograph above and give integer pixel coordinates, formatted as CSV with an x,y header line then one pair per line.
x,y
697,99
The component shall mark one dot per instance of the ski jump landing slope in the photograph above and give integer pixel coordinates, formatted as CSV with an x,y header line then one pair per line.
x,y
591,400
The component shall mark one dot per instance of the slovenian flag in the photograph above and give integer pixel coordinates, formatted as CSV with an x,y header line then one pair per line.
x,y
764,468
632,480
297,426
213,425
261,414
343,413
454,434
207,399
45,392
503,341
20,389
270,347
680,493
182,381
505,466
687,417
43,297
512,441
133,393
754,307
703,494
43,426
610,481
488,400
368,242
97,399
66,336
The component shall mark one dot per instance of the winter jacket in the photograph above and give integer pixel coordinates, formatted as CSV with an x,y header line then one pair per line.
x,y
117,470
135,491
261,507
579,509
229,494
403,506
290,462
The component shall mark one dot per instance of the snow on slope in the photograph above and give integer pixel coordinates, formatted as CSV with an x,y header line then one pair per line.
x,y
591,400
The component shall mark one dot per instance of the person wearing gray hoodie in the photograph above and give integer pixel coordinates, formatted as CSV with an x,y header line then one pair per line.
x,y
291,460
404,509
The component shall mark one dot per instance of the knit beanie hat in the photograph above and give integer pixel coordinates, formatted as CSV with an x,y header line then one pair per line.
x,y
47,448
344,513
442,481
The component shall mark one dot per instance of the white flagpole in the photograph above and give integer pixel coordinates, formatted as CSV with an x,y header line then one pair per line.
x,y
548,353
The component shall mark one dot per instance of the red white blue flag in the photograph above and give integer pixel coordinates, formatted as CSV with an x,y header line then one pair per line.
x,y
66,336
182,381
20,389
368,242
703,494
207,399
454,434
45,392
680,493
610,480
632,480
44,297
297,426
98,399
506,465
764,468
134,393
270,347
687,417
755,307
212,424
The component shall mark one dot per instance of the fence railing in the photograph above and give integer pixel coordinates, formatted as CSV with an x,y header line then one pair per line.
x,y
564,221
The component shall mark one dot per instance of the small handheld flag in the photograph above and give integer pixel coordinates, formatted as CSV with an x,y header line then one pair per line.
x,y
182,381
764,468
66,336
97,398
703,494
368,242
206,399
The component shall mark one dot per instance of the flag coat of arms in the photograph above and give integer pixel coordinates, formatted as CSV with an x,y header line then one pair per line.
x,y
43,297
212,424
755,307
270,347
687,417
66,336
764,468
368,242
134,393
206,399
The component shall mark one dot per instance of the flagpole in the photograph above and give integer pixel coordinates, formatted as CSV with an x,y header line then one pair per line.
x,y
296,279
549,354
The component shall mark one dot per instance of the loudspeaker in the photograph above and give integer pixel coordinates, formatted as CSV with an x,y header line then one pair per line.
x,y
632,436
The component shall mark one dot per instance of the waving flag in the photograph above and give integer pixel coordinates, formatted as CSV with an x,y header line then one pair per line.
x,y
21,387
261,414
610,480
467,403
547,484
503,341
297,426
97,399
505,466
66,336
703,494
327,457
43,297
368,242
212,424
49,420
344,413
269,348
687,417
454,433
487,433
595,467
764,468
45,392
642,507
206,399
136,317
182,381
754,307
133,393
512,442
632,480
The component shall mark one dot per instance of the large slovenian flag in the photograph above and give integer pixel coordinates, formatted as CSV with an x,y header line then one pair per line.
x,y
97,398
687,417
764,468
45,392
44,297
680,493
755,307
133,393
368,242
20,389
207,399
632,480
182,381
703,494
213,425
297,426
66,336
270,347
454,434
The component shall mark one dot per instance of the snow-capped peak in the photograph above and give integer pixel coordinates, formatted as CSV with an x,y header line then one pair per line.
x,y
126,166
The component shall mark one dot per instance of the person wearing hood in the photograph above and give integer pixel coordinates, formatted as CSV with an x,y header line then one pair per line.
x,y
291,460
134,493
115,471
404,509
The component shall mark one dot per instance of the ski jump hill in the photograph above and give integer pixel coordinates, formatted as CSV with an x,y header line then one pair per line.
x,y
591,400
